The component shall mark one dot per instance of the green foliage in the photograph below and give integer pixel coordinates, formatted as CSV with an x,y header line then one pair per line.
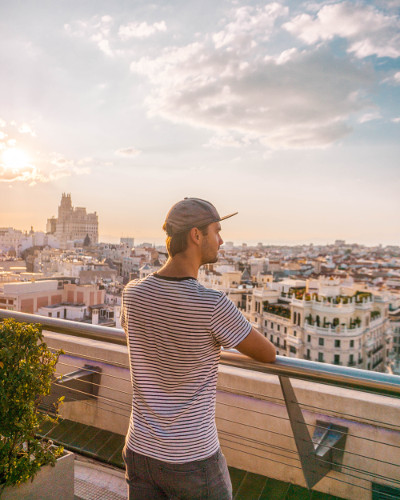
x,y
360,296
26,370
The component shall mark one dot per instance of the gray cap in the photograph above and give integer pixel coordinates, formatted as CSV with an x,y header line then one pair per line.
x,y
191,212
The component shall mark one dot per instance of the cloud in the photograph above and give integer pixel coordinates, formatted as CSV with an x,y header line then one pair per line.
x,y
393,80
249,26
97,30
223,140
367,117
29,166
396,120
288,99
127,152
105,34
26,129
140,30
368,30
27,173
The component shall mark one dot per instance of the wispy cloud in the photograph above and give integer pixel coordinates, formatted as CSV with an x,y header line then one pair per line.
x,y
105,33
97,30
127,152
367,117
26,129
368,30
140,30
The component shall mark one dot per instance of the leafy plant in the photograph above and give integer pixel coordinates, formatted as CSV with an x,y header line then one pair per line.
x,y
26,370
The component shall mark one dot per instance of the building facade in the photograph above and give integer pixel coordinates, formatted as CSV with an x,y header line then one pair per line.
x,y
329,325
73,223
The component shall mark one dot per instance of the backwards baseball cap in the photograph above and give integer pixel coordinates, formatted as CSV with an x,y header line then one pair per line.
x,y
191,212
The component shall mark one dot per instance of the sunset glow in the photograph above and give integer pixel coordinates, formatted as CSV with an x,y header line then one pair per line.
x,y
14,159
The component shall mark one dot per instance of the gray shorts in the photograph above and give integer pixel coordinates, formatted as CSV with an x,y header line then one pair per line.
x,y
151,479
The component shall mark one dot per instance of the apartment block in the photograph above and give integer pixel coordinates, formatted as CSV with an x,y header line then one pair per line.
x,y
351,329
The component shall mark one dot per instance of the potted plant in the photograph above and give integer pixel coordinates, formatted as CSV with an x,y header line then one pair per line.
x,y
27,369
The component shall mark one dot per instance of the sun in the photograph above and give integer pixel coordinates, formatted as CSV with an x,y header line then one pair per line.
x,y
14,158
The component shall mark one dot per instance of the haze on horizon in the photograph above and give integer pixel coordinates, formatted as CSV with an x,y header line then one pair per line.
x,y
288,112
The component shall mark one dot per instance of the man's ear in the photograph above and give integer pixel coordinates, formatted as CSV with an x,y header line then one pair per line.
x,y
194,235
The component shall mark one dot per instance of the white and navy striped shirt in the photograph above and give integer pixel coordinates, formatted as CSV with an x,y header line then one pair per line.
x,y
175,329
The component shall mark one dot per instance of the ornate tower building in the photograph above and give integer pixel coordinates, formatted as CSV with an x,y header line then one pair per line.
x,y
73,223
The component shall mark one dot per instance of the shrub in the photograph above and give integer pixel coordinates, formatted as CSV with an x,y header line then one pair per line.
x,y
26,370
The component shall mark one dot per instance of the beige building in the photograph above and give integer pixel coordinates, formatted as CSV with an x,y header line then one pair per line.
x,y
29,297
73,223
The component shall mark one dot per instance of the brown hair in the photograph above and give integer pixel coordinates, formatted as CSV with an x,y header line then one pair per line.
x,y
179,242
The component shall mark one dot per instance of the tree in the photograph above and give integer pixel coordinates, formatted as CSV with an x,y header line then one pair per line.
x,y
26,370
86,241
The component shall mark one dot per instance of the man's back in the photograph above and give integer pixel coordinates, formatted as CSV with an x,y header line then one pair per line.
x,y
176,328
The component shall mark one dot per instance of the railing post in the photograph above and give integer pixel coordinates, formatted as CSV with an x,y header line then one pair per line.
x,y
313,469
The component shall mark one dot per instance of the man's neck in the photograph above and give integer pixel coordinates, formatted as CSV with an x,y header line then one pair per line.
x,y
180,266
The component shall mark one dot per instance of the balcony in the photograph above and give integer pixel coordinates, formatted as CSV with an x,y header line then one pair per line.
x,y
265,414
334,330
377,349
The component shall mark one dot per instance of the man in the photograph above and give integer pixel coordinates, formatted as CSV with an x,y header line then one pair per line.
x,y
175,329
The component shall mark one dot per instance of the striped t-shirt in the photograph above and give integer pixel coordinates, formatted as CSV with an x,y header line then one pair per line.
x,y
175,329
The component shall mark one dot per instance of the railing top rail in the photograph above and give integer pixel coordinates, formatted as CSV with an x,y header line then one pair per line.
x,y
75,328
366,380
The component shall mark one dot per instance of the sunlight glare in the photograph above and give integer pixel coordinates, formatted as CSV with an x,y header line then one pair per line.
x,y
14,158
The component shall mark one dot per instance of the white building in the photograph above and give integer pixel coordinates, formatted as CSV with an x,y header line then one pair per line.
x,y
327,325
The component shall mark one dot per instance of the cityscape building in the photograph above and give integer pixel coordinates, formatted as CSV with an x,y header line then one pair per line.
x,y
337,303
73,224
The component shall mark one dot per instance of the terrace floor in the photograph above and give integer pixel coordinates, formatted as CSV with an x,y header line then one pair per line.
x,y
99,468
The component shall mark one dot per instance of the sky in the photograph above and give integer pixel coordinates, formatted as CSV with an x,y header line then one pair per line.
x,y
288,112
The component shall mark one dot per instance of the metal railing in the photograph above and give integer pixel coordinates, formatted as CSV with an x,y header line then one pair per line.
x,y
378,383
116,402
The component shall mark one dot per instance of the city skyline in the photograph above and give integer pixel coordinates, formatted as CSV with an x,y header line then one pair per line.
x,y
288,112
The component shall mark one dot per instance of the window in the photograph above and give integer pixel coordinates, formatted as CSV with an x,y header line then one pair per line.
x,y
308,353
285,329
272,325
308,338
336,359
58,314
278,327
265,323
49,315
321,357
293,349
271,338
295,333
277,341
320,341
351,359
337,343
351,343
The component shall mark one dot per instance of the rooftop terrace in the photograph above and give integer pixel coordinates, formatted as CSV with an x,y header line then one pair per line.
x,y
293,429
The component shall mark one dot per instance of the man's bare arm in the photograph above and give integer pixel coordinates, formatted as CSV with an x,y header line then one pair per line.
x,y
256,346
